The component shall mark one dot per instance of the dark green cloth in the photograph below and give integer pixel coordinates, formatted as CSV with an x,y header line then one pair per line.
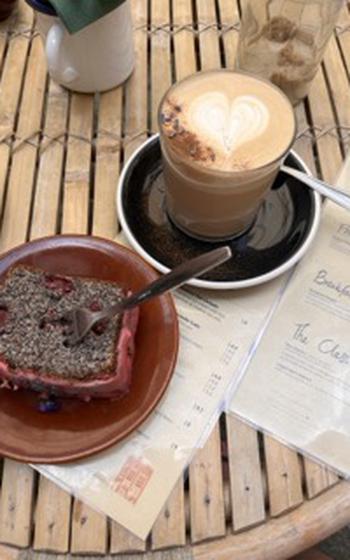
x,y
77,14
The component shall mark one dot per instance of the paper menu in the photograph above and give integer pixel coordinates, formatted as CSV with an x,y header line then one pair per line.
x,y
132,481
297,384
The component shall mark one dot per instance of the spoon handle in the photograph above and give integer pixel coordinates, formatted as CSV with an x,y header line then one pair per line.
x,y
339,197
173,279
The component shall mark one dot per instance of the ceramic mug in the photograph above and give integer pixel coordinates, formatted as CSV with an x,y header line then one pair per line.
x,y
97,58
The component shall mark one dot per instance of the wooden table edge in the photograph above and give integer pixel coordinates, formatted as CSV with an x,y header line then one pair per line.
x,y
287,535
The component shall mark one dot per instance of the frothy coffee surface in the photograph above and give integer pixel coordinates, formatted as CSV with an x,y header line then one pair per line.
x,y
227,121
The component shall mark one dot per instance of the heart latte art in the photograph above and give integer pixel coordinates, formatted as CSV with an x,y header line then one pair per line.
x,y
229,122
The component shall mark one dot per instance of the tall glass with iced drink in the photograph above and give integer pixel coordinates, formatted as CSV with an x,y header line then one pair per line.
x,y
284,41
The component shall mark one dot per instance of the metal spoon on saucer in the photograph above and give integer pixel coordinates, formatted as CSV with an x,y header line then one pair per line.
x,y
339,197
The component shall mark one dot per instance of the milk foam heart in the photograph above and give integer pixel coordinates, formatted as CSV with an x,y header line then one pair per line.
x,y
229,122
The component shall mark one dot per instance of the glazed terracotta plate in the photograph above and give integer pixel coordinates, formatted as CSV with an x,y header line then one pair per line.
x,y
80,429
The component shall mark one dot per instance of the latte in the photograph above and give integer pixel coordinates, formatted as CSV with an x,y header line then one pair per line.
x,y
223,135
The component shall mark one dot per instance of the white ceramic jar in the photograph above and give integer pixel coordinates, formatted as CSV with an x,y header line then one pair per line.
x,y
97,58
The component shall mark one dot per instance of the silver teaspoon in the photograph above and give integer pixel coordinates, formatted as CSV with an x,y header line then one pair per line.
x,y
339,197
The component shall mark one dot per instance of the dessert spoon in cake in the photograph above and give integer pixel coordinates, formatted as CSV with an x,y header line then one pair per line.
x,y
81,320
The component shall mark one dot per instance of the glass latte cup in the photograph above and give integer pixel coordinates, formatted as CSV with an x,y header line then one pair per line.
x,y
223,137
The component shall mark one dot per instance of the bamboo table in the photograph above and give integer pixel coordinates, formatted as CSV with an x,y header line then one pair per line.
x,y
247,496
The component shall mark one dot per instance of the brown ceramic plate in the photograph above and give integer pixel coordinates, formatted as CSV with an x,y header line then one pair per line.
x,y
80,429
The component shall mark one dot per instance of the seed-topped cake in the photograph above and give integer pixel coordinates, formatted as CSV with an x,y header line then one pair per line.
x,y
34,353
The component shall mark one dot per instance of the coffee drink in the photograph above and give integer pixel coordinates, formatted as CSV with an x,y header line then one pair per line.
x,y
223,136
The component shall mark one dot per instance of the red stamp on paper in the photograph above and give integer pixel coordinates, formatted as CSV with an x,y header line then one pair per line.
x,y
132,479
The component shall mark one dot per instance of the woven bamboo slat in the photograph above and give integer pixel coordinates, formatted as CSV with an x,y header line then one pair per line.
x,y
246,479
170,528
283,477
206,491
24,154
136,89
50,169
13,74
60,158
184,41
16,504
89,530
209,47
52,518
77,179
107,165
161,63
123,541
229,21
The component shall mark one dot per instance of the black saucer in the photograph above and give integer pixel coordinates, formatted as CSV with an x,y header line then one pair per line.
x,y
285,226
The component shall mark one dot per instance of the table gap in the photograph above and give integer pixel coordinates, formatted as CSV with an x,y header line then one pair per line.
x,y
123,125
262,458
303,476
96,104
225,467
70,529
172,31
334,110
220,34
4,55
312,133
63,168
149,66
35,497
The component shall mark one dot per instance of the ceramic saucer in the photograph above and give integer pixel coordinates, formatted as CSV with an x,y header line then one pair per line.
x,y
286,225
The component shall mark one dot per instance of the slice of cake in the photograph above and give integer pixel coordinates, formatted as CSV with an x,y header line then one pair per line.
x,y
33,349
